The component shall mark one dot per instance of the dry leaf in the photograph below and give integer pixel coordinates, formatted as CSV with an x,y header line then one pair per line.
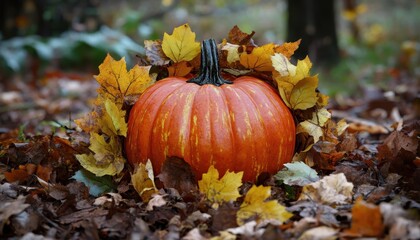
x,y
179,69
181,45
296,87
223,190
303,95
256,206
282,65
143,181
332,189
322,232
236,36
288,48
232,52
154,53
116,83
259,59
107,158
366,220
314,126
177,173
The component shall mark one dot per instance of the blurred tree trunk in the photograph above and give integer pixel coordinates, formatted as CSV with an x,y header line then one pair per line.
x,y
314,23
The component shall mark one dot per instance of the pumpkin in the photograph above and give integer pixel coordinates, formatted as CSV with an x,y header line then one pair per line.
x,y
238,125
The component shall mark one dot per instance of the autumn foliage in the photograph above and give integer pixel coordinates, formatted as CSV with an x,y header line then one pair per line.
x,y
253,154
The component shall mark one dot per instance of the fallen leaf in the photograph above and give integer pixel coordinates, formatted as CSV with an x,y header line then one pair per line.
x,y
296,87
322,232
97,185
297,173
114,198
303,94
115,82
10,208
218,191
177,173
181,45
143,181
232,52
107,158
331,189
366,220
259,59
313,127
236,36
282,65
112,122
157,200
154,53
179,69
256,206
288,48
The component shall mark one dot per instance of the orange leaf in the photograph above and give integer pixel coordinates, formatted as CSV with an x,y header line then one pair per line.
x,y
366,220
288,48
259,59
236,36
179,69
17,175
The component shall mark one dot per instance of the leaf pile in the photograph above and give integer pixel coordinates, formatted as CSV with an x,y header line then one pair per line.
x,y
350,178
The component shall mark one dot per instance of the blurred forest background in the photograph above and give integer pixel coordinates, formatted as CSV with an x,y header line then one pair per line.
x,y
351,42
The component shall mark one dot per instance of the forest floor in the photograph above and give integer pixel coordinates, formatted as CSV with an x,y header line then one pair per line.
x,y
44,192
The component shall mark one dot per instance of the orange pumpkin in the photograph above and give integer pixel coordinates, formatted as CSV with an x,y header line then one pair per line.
x,y
241,125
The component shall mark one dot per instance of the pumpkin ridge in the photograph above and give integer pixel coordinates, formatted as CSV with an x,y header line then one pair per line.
x,y
153,147
134,115
265,157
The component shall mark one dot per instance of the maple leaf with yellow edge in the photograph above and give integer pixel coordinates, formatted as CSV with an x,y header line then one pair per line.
x,y
107,158
314,126
107,117
256,206
223,190
112,121
116,83
181,45
259,59
143,181
296,87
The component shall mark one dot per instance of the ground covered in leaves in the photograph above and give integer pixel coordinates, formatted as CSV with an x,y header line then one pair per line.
x,y
362,179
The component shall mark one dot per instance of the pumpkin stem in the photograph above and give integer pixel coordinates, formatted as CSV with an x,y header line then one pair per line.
x,y
209,68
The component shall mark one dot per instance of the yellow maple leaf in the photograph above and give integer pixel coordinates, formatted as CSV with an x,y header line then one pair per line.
x,y
116,83
107,117
181,45
112,122
296,87
223,190
259,59
256,206
314,126
143,181
304,95
107,158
